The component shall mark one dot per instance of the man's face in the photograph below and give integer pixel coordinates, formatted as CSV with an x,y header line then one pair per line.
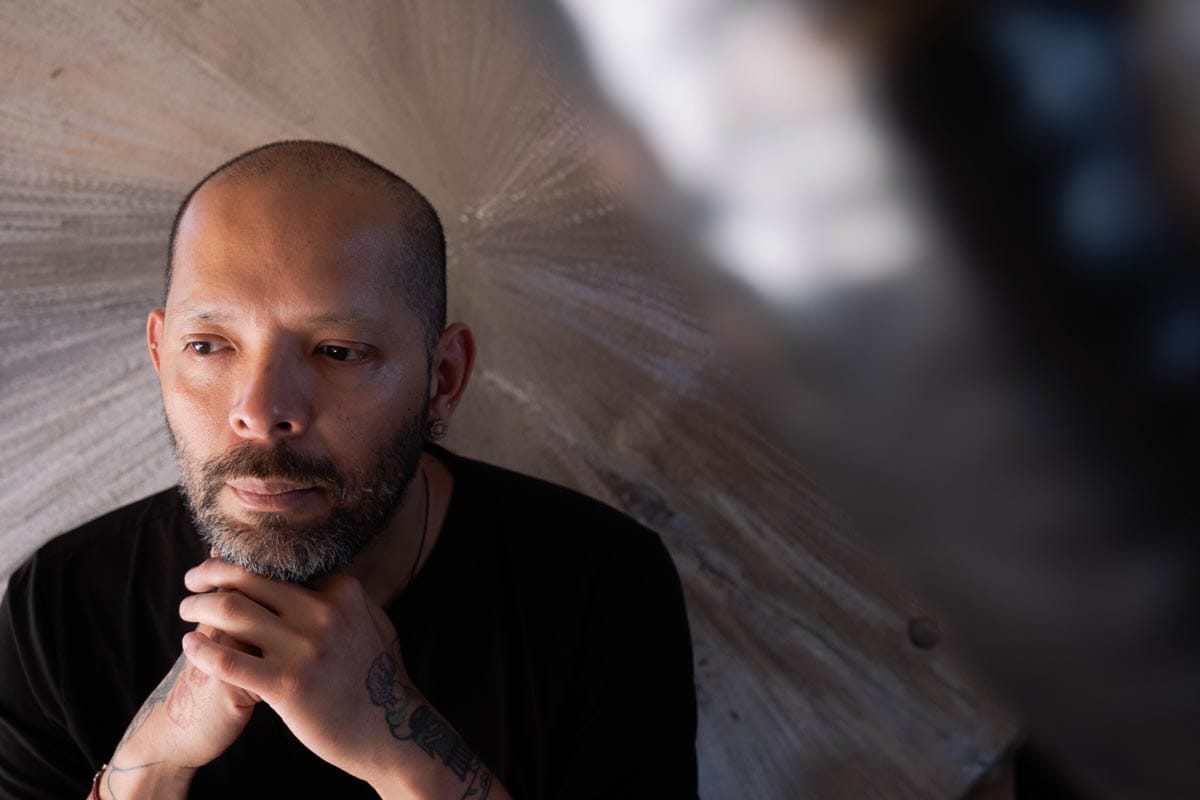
x,y
294,376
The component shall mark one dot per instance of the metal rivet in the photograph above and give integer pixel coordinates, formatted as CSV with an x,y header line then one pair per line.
x,y
924,632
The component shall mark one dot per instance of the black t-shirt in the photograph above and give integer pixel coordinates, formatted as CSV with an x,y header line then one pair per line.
x,y
548,628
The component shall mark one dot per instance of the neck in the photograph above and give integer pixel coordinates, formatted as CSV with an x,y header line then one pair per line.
x,y
384,566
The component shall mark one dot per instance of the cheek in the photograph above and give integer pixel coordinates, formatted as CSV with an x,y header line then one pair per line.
x,y
196,411
354,431
350,434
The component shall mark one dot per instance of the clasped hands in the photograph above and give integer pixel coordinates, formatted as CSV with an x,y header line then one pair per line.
x,y
314,649
307,652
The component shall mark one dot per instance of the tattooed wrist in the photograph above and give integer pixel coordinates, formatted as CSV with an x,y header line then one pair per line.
x,y
410,719
159,696
133,769
156,779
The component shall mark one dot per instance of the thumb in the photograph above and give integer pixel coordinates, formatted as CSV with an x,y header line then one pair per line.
x,y
386,631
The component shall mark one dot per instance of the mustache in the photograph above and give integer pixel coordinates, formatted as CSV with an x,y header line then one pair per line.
x,y
280,462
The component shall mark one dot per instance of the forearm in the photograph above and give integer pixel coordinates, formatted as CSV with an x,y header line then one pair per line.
x,y
186,722
132,772
131,781
423,778
421,755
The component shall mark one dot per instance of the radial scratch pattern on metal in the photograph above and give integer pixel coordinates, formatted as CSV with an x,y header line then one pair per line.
x,y
596,368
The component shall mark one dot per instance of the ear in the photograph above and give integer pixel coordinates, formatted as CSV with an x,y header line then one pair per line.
x,y
154,332
452,364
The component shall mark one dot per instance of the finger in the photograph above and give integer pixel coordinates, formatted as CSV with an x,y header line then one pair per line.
x,y
276,596
345,593
383,626
235,614
250,673
338,586
220,637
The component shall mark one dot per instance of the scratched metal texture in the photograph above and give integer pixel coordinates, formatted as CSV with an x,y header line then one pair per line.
x,y
597,368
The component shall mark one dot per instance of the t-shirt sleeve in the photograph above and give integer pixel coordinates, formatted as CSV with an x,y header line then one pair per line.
x,y
637,735
38,758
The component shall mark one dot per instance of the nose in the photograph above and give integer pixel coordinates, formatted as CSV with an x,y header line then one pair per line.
x,y
272,402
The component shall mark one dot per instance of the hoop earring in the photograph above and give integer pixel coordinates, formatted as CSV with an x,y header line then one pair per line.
x,y
437,428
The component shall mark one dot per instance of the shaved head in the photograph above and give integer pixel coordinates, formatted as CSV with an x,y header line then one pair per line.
x,y
420,266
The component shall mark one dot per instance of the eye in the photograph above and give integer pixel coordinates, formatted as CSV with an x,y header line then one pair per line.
x,y
339,352
204,347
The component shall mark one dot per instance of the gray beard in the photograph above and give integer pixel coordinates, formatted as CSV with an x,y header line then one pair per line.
x,y
362,503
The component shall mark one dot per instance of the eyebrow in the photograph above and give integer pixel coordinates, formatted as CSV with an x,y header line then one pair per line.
x,y
201,314
342,319
346,319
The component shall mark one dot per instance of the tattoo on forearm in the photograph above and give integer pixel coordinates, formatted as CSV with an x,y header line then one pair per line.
x,y
112,770
181,705
411,720
179,709
156,698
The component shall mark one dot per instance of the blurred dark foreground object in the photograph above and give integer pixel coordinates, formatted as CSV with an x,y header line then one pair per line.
x,y
1009,404
1042,125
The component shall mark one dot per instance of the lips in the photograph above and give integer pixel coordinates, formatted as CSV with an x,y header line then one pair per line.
x,y
260,495
261,487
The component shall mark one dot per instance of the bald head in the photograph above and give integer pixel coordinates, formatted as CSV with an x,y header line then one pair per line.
x,y
419,262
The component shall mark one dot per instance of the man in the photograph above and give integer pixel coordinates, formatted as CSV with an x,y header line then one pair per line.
x,y
360,612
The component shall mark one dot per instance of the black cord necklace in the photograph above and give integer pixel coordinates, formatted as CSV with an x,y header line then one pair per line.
x,y
424,528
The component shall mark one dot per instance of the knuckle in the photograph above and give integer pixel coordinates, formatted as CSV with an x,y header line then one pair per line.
x,y
293,683
231,605
309,650
223,662
325,617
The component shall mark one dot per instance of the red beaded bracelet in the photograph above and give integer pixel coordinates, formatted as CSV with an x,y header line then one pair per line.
x,y
95,795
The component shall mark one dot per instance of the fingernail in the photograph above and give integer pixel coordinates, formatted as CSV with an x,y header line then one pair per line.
x,y
189,643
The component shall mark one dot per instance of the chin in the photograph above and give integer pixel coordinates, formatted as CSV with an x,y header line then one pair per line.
x,y
278,547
